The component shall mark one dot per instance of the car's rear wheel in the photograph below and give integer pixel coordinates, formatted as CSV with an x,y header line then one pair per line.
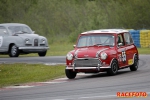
x,y
70,74
14,51
42,54
135,65
114,68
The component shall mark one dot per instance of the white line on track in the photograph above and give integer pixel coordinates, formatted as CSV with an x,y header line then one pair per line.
x,y
53,82
19,86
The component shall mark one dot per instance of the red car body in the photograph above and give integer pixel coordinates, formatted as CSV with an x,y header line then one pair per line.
x,y
102,50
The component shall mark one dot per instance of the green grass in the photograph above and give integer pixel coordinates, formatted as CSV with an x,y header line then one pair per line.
x,y
144,50
14,74
59,49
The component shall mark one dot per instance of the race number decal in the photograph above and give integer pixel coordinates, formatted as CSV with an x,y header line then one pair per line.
x,y
1,41
123,55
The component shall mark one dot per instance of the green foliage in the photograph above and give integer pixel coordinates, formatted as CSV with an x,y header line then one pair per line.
x,y
63,20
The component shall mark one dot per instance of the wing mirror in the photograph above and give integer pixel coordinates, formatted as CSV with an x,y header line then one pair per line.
x,y
120,44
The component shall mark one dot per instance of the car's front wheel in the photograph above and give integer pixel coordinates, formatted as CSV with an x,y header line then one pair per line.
x,y
70,74
114,68
14,51
135,65
42,54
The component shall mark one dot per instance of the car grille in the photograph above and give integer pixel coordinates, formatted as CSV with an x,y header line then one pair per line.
x,y
42,44
35,42
86,62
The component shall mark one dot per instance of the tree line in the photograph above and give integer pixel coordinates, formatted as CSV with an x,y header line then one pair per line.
x,y
63,20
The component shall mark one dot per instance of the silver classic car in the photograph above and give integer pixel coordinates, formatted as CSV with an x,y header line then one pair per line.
x,y
16,38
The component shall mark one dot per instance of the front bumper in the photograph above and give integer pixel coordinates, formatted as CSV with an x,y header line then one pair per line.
x,y
97,68
33,49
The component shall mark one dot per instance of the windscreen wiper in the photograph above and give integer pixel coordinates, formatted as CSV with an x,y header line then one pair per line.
x,y
98,44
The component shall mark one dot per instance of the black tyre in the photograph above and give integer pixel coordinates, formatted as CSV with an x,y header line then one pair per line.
x,y
135,65
14,51
70,74
114,68
42,54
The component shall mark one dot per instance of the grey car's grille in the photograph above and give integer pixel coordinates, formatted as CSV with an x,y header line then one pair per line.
x,y
42,44
86,62
35,42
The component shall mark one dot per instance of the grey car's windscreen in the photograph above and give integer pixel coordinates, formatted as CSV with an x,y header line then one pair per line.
x,y
21,29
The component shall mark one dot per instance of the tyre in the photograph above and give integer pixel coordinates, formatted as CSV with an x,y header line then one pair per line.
x,y
14,51
42,54
70,74
114,68
135,65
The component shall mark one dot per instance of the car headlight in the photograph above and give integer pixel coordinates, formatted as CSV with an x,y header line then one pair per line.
x,y
43,41
69,56
26,40
103,55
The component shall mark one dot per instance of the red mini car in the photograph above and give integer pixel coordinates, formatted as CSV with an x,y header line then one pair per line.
x,y
102,50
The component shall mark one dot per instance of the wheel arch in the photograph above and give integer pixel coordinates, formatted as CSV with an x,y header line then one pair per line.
x,y
135,54
10,46
115,60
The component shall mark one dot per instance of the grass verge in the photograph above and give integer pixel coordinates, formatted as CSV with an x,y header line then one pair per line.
x,y
14,74
144,50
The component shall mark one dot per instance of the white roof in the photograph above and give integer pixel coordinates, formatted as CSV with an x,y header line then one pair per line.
x,y
106,31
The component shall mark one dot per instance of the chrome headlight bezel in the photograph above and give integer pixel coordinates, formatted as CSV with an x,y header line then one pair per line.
x,y
69,56
43,41
103,55
27,41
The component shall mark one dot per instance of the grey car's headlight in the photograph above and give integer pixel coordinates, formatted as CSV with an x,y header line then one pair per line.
x,y
26,40
103,55
69,56
43,41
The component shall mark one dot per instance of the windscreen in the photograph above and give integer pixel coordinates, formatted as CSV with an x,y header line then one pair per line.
x,y
20,29
99,39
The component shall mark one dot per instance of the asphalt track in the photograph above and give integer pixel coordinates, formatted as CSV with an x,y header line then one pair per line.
x,y
35,60
84,86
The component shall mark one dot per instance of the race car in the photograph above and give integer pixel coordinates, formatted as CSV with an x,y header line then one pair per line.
x,y
104,50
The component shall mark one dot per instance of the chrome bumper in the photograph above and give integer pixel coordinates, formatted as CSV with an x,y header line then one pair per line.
x,y
98,67
33,48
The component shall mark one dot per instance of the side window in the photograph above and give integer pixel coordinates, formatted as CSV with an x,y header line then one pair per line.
x,y
120,41
128,39
131,40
